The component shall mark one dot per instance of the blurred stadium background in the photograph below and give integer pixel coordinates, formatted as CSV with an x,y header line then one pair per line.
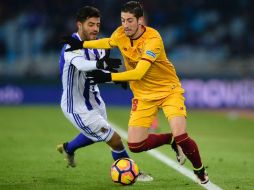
x,y
211,44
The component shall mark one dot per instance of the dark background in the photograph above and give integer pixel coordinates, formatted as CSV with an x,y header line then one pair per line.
x,y
205,39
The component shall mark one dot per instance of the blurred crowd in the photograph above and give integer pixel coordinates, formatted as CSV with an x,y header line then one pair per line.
x,y
221,29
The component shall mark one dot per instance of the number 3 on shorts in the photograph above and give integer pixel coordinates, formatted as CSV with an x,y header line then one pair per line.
x,y
134,104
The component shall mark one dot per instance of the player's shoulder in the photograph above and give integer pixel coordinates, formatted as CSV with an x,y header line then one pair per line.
x,y
119,32
69,55
152,33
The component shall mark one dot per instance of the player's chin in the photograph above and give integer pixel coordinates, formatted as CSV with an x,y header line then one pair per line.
x,y
93,36
128,33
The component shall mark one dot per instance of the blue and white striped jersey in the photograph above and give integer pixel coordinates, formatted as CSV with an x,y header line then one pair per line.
x,y
78,95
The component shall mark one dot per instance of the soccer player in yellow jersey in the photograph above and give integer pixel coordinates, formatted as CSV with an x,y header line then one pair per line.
x,y
154,84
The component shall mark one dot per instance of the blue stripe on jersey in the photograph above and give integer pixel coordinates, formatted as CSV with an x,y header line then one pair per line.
x,y
87,54
96,98
79,124
74,35
86,95
85,128
62,61
68,89
96,54
71,71
87,87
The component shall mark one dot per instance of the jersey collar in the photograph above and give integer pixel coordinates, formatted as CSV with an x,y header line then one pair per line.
x,y
140,34
76,36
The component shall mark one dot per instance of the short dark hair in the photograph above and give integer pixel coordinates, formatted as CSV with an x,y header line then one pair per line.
x,y
87,12
133,7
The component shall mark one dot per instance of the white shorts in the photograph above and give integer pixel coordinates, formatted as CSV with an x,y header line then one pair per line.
x,y
93,124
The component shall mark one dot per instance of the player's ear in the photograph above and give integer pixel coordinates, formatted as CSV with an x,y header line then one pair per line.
x,y
141,21
79,24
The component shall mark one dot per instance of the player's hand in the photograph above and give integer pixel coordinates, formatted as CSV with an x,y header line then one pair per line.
x,y
98,76
109,64
73,42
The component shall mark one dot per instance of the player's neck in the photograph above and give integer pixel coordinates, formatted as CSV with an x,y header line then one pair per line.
x,y
82,37
139,33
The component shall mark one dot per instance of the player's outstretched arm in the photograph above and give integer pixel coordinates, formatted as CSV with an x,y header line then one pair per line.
x,y
77,59
135,74
109,64
75,44
132,75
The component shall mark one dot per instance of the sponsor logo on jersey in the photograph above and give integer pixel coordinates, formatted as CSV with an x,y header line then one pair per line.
x,y
132,64
150,53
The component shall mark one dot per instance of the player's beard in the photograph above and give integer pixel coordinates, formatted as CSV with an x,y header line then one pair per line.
x,y
133,34
93,36
89,36
86,36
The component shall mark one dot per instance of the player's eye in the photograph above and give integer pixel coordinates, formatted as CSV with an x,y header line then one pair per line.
x,y
130,20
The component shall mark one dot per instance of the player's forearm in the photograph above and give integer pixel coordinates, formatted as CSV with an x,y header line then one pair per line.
x,y
82,64
103,43
135,74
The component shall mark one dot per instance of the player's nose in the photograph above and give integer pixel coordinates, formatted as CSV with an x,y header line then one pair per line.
x,y
96,29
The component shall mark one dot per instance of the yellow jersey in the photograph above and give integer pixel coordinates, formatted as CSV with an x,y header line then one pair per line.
x,y
160,80
161,77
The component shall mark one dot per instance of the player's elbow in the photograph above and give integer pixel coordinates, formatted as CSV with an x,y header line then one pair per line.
x,y
137,78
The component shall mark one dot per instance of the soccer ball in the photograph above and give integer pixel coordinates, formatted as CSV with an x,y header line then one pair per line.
x,y
124,171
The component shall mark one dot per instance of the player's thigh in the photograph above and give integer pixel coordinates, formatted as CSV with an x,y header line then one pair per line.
x,y
174,106
100,129
142,113
137,134
175,111
92,125
178,125
101,108
141,118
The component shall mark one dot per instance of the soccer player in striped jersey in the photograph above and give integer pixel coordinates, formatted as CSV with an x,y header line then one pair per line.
x,y
81,102
153,81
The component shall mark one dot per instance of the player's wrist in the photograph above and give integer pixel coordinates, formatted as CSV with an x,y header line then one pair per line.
x,y
100,64
109,77
83,44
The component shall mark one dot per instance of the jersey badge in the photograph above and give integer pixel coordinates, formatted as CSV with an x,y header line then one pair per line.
x,y
150,53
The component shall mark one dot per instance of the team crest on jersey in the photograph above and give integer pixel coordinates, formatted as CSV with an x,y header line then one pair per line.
x,y
104,130
139,50
132,64
150,53
78,51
